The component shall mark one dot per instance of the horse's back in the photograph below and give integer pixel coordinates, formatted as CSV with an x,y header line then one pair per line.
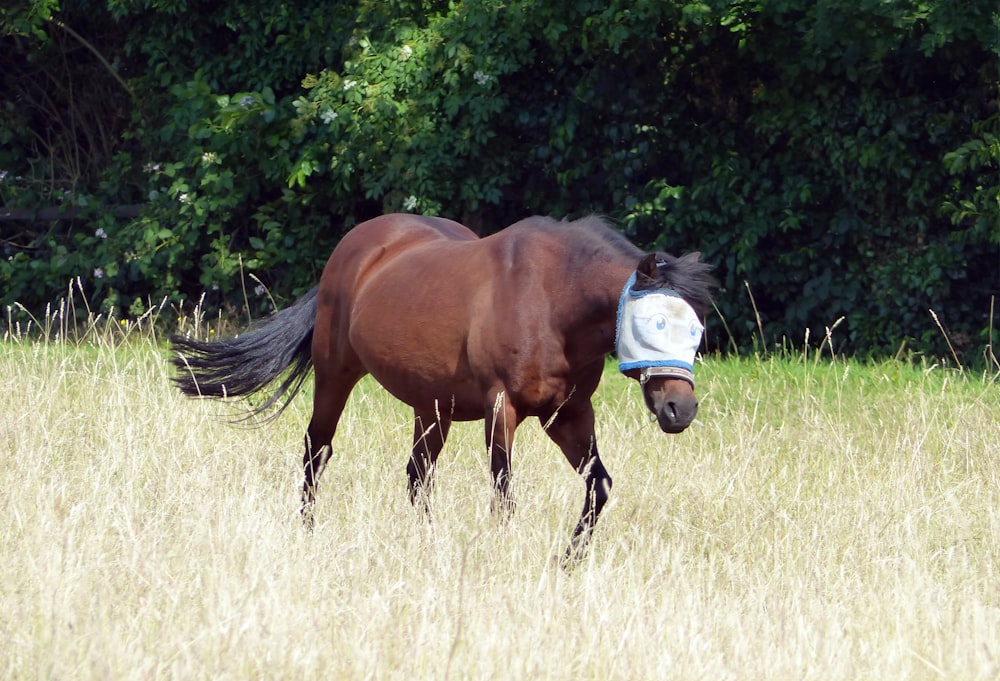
x,y
387,237
401,230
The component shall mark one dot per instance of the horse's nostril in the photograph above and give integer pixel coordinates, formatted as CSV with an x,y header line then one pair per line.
x,y
672,406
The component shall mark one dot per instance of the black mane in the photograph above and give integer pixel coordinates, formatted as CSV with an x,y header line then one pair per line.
x,y
593,238
596,235
688,275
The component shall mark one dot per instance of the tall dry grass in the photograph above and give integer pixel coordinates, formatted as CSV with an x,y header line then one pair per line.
x,y
822,519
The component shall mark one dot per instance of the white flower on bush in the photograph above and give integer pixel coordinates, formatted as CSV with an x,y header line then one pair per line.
x,y
100,233
410,203
210,157
184,198
328,116
481,78
259,289
246,101
348,84
98,273
405,52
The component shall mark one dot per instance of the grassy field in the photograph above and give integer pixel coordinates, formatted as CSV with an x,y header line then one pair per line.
x,y
822,519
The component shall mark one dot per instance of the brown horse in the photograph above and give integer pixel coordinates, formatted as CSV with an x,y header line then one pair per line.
x,y
510,326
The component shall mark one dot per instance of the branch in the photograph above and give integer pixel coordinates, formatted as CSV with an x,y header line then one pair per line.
x,y
100,57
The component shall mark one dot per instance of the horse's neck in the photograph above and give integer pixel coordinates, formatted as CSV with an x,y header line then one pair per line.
x,y
600,292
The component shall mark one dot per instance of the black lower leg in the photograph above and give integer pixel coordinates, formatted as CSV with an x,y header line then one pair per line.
x,y
598,490
419,473
503,501
430,431
313,463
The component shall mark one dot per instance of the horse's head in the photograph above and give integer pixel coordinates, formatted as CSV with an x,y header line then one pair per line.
x,y
658,333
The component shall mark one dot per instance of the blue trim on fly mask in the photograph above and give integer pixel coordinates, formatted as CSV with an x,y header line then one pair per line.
x,y
621,306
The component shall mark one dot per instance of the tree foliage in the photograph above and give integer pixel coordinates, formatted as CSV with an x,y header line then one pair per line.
x,y
837,160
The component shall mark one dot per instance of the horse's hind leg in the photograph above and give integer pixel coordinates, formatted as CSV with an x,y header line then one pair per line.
x,y
430,430
328,405
502,420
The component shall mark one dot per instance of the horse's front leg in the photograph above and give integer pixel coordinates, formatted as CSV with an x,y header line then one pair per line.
x,y
573,431
598,484
501,422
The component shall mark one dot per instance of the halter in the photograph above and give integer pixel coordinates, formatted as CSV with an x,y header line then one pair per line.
x,y
658,332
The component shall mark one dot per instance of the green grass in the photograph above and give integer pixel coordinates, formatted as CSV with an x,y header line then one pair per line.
x,y
821,519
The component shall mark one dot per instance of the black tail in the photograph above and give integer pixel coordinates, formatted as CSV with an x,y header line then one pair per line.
x,y
244,364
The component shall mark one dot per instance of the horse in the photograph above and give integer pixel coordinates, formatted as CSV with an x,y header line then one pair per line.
x,y
502,328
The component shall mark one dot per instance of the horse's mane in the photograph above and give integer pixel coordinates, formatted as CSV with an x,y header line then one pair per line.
x,y
589,238
688,275
593,238
597,234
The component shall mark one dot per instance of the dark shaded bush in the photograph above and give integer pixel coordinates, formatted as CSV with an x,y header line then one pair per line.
x,y
837,160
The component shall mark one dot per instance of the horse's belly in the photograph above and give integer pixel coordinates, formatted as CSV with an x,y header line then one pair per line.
x,y
446,400
427,385
420,362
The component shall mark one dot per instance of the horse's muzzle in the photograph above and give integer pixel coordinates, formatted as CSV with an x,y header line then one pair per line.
x,y
672,402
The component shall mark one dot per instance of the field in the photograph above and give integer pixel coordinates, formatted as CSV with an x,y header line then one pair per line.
x,y
822,519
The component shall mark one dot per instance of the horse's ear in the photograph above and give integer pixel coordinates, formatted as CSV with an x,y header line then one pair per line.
x,y
647,266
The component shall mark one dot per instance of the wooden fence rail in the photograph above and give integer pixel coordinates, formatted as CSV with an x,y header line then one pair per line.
x,y
49,213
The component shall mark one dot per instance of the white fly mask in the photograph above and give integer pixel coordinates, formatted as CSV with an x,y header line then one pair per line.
x,y
657,332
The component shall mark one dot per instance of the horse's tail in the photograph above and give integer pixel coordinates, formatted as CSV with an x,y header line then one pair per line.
x,y
246,363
